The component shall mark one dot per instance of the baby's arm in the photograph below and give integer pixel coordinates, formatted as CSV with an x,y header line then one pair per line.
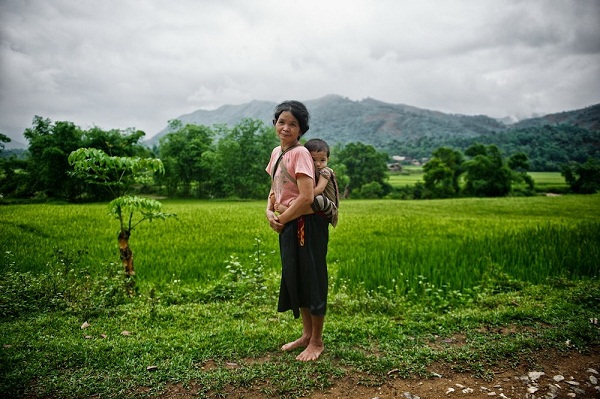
x,y
280,208
321,184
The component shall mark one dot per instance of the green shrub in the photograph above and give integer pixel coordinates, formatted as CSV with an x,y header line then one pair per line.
x,y
64,285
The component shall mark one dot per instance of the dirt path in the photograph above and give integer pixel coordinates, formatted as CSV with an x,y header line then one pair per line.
x,y
550,375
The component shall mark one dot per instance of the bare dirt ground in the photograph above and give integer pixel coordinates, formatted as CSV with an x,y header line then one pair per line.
x,y
548,375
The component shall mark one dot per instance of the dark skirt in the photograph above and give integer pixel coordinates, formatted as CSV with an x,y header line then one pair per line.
x,y
303,247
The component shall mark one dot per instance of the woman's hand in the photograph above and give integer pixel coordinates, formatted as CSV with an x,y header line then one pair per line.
x,y
274,222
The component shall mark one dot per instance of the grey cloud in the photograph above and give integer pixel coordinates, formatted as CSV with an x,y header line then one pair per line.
x,y
128,63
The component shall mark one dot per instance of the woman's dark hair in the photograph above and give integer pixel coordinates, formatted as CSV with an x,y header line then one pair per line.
x,y
297,109
317,145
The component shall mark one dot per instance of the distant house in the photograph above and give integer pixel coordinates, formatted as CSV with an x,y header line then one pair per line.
x,y
400,160
394,167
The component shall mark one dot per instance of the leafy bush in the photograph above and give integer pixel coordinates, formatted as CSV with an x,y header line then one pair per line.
x,y
242,281
370,190
65,285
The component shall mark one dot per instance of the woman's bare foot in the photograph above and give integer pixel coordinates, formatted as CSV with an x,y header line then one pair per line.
x,y
311,353
301,342
311,339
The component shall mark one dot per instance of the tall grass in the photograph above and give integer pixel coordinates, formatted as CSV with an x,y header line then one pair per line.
x,y
456,243
193,247
398,245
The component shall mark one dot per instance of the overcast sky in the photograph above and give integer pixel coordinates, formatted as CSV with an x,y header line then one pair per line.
x,y
138,63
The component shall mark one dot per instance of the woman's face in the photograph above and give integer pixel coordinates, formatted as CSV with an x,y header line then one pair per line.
x,y
287,128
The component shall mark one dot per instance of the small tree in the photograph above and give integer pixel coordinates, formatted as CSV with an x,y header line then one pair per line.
x,y
364,164
486,173
3,139
583,178
438,179
184,151
238,161
47,167
442,173
119,175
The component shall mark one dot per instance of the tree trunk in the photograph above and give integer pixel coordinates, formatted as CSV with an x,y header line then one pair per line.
x,y
126,253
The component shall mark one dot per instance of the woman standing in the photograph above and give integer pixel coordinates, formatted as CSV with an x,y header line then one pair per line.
x,y
303,235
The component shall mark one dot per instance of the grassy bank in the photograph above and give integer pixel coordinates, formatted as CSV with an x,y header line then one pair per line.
x,y
137,347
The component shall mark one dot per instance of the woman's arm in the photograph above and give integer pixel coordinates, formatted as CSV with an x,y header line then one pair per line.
x,y
301,205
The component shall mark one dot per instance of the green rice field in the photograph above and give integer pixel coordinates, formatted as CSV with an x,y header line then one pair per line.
x,y
408,177
414,175
379,244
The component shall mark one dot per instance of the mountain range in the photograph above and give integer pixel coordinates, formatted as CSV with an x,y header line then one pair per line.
x,y
388,127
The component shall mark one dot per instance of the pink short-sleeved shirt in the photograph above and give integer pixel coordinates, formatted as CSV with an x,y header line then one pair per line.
x,y
294,162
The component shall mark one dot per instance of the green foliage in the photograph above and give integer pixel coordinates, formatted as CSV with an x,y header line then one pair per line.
x,y
242,281
14,179
547,147
49,148
240,160
370,190
341,172
364,165
115,142
44,171
117,174
3,139
65,285
127,207
438,179
442,173
583,178
232,167
519,164
186,152
486,174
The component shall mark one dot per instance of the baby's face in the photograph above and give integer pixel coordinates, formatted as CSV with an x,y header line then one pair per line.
x,y
319,158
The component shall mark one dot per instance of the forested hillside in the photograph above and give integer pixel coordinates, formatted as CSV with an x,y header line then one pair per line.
x,y
413,132
547,146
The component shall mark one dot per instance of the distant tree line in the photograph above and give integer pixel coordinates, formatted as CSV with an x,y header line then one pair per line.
x,y
229,162
486,173
547,147
195,165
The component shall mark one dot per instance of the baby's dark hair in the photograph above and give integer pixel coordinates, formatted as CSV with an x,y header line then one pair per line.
x,y
317,145
297,109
